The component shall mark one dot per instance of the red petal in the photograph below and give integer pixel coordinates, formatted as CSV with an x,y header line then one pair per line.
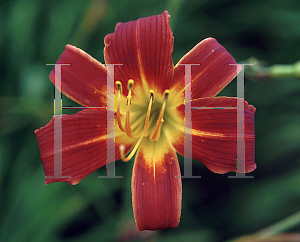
x,y
214,138
83,145
144,47
84,80
213,73
156,193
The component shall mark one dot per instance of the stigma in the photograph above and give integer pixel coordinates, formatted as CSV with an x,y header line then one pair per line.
x,y
153,117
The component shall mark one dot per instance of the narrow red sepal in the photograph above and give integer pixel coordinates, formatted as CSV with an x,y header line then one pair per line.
x,y
84,79
212,69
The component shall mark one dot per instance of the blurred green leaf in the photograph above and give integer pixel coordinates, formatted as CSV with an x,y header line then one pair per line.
x,y
215,208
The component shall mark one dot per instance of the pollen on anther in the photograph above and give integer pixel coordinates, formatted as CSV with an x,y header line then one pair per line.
x,y
130,84
152,94
119,86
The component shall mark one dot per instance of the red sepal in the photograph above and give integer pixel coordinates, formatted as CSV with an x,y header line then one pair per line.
x,y
83,145
156,192
214,134
84,80
144,48
212,71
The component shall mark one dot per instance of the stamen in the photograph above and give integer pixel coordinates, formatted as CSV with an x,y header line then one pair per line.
x,y
119,87
160,120
127,119
148,113
122,149
129,87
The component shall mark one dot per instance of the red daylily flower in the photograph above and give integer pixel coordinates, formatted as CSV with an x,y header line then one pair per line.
x,y
151,120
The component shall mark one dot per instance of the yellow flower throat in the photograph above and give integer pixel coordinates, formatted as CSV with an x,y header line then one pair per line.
x,y
150,116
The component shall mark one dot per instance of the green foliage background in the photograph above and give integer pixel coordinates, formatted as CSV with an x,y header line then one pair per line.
x,y
214,208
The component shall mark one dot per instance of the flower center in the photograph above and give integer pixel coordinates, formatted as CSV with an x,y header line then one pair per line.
x,y
151,115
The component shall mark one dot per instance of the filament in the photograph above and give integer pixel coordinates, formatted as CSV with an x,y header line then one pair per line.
x,y
122,148
160,120
148,113
119,87
127,119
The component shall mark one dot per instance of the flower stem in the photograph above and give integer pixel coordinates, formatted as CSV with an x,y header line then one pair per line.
x,y
274,229
280,226
259,71
285,70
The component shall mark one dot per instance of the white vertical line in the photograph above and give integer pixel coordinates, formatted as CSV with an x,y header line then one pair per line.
x,y
110,149
188,122
240,124
57,123
110,118
188,162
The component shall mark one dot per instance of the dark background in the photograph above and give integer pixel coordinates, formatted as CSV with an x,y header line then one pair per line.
x,y
214,208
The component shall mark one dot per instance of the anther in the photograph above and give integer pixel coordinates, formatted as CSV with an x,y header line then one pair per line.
x,y
160,120
119,88
129,87
122,149
130,84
